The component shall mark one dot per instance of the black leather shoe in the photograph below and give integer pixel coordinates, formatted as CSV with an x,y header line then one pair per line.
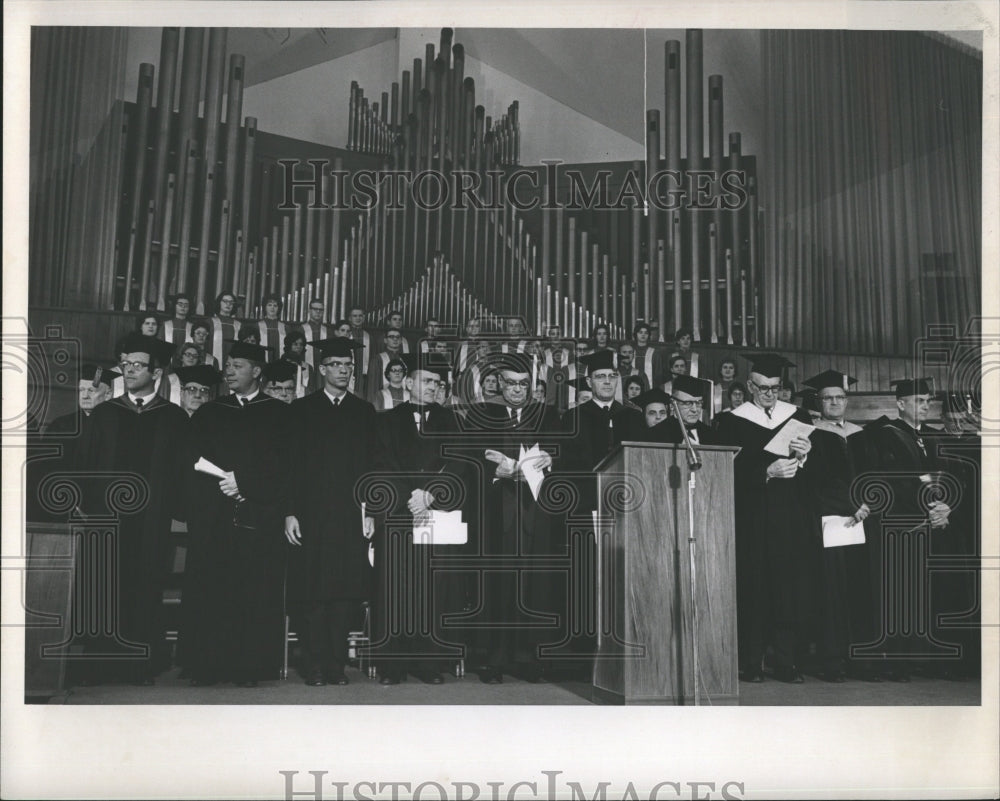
x,y
753,675
388,679
490,676
338,678
315,680
789,675
429,676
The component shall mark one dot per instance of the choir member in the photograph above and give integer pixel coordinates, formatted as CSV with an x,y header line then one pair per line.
x,y
271,327
720,393
225,326
683,340
356,317
314,329
394,319
329,574
395,391
392,348
177,330
647,358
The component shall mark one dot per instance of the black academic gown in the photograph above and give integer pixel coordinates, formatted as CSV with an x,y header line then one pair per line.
x,y
232,598
118,441
772,541
669,431
843,602
518,608
48,454
900,541
415,585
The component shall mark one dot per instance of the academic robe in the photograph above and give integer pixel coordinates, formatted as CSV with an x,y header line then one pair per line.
x,y
669,431
511,618
772,538
333,448
903,458
232,597
842,589
412,595
122,439
46,454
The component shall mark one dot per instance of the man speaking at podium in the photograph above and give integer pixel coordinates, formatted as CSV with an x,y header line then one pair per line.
x,y
772,544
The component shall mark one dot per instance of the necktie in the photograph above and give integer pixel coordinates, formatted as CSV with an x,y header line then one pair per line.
x,y
418,418
242,400
336,401
693,433
138,403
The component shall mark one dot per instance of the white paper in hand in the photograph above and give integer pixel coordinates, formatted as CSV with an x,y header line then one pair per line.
x,y
836,532
441,528
779,442
530,470
205,466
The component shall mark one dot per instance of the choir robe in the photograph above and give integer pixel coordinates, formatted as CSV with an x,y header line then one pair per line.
x,y
176,332
390,397
408,587
894,450
377,381
511,619
773,550
272,336
333,448
843,594
121,439
232,597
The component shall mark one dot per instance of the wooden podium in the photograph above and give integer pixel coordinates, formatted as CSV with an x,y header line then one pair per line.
x,y
646,649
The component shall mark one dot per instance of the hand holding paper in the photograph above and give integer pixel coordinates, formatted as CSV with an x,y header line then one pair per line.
x,y
785,441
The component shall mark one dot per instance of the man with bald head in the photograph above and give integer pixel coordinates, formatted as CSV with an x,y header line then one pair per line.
x,y
772,556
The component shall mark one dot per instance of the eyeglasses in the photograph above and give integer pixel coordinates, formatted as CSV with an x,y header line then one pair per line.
x,y
766,390
281,390
200,391
695,404
134,365
341,365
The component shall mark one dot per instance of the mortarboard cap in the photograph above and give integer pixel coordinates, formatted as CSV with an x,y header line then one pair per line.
x,y
599,360
513,362
690,385
655,395
336,346
580,384
280,370
247,350
98,375
203,374
768,365
159,349
830,378
911,386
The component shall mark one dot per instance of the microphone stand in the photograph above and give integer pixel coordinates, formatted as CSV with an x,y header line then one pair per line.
x,y
694,464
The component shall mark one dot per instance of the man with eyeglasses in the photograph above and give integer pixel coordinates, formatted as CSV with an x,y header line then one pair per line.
x,y
690,395
843,594
411,599
516,526
356,317
314,330
280,379
197,385
328,571
392,348
773,579
233,619
135,433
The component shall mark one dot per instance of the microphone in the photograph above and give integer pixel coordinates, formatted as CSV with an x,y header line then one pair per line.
x,y
694,461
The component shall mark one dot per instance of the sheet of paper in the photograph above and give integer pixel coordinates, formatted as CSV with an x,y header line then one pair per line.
x,y
441,528
530,470
205,466
836,532
792,429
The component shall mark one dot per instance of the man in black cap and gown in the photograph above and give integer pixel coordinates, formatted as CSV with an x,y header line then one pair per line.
x,y
135,433
516,603
690,396
235,564
842,587
772,546
279,379
412,594
902,451
329,574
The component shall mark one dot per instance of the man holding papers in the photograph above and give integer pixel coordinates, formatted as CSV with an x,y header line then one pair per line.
x,y
515,527
233,578
411,599
772,542
844,596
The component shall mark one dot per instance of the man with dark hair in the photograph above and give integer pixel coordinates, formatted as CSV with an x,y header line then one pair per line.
x,y
394,319
329,574
135,433
773,585
432,330
314,330
233,578
356,317
412,598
